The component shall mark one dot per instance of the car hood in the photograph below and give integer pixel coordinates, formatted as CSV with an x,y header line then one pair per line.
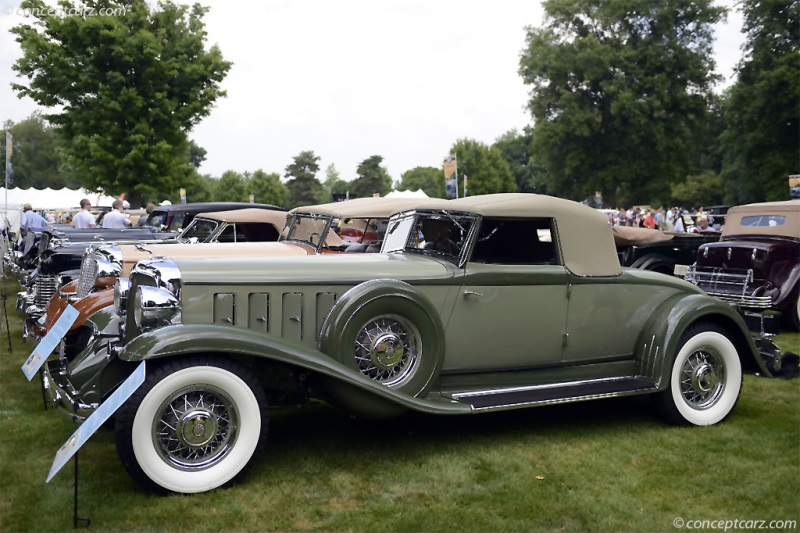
x,y
208,251
335,269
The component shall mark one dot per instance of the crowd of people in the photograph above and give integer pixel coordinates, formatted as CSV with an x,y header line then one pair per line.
x,y
83,219
674,219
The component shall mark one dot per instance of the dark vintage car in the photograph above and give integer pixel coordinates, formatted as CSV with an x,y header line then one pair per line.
x,y
177,217
60,252
756,264
474,305
659,251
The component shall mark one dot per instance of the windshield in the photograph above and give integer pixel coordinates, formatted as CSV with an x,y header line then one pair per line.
x,y
310,229
200,229
439,233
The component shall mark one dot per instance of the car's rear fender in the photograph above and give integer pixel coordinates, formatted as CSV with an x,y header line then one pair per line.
x,y
659,339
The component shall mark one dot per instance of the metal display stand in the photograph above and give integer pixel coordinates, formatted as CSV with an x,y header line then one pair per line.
x,y
76,518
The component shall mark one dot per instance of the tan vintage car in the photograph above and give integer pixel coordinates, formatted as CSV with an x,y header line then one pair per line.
x,y
103,264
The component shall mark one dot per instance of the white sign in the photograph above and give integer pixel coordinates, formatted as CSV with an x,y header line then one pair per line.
x,y
91,424
49,342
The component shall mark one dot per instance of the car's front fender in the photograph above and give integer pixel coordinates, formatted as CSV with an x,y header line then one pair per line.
x,y
183,339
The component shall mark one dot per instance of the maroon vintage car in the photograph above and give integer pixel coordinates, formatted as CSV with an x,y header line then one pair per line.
x,y
756,263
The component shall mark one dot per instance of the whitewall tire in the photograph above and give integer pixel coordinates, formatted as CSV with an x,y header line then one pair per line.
x,y
194,425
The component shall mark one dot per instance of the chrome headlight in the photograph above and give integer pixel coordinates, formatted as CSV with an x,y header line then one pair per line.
x,y
154,295
121,288
153,306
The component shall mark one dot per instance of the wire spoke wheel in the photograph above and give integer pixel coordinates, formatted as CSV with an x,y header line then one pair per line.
x,y
196,428
702,379
388,349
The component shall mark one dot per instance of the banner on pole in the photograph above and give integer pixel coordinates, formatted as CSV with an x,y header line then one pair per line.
x,y
450,177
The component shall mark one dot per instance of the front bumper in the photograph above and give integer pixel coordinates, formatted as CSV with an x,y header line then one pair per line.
x,y
62,395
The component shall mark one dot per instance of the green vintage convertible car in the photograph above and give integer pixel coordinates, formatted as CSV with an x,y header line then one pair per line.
x,y
473,305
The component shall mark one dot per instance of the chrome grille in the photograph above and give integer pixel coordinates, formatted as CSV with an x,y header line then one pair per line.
x,y
88,271
45,289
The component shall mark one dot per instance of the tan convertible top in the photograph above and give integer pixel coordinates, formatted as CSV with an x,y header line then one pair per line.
x,y
365,207
789,225
249,214
585,236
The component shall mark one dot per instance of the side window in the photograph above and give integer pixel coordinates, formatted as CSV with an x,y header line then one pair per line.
x,y
228,234
516,242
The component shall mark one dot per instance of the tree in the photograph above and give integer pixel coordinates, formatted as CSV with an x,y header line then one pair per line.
x,y
231,187
485,168
303,186
429,179
372,178
333,183
762,109
201,189
699,190
128,86
619,94
35,156
197,154
516,150
267,188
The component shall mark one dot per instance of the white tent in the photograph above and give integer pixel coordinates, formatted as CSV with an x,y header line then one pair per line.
x,y
12,200
419,193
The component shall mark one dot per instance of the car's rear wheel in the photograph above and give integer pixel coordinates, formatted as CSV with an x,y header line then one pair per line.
x,y
194,425
705,379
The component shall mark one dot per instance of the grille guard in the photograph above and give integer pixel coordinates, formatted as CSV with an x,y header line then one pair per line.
x,y
736,286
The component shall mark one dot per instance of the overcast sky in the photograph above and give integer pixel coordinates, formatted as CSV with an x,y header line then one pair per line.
x,y
349,79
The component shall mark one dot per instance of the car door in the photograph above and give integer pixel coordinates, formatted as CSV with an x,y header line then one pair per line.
x,y
511,311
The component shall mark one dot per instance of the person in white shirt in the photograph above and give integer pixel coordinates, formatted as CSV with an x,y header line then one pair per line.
x,y
116,217
83,219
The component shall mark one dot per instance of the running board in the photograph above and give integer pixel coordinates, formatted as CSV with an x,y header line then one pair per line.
x,y
499,399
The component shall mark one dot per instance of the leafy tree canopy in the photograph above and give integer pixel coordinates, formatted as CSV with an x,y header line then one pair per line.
x,y
372,178
334,183
231,187
762,109
303,186
36,155
699,190
618,93
516,149
486,170
267,188
429,179
128,88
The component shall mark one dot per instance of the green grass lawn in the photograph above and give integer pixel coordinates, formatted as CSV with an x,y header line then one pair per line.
x,y
598,466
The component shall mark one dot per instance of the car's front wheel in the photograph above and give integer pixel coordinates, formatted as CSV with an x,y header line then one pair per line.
x,y
194,425
705,379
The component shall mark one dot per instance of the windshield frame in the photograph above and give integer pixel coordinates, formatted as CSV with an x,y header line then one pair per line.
x,y
294,221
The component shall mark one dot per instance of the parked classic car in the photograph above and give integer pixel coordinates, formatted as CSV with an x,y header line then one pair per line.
x,y
756,264
474,305
60,260
651,249
177,217
103,263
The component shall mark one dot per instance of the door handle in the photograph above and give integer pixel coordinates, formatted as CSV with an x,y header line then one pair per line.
x,y
471,293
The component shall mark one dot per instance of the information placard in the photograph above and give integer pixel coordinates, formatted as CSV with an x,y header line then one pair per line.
x,y
49,342
91,424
